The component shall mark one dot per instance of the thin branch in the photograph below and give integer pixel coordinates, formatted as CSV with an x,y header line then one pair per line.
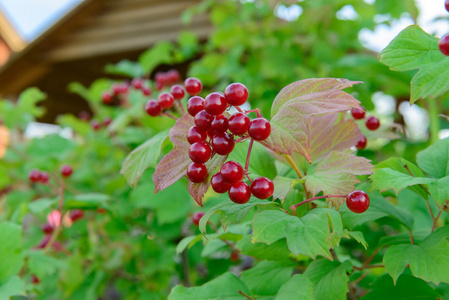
x,y
250,147
185,268
259,115
294,207
232,246
368,267
242,138
412,240
245,295
435,221
169,115
58,228
293,165
424,189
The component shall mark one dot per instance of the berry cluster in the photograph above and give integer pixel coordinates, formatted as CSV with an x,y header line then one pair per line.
x,y
120,90
357,201
165,79
372,123
38,176
213,134
97,125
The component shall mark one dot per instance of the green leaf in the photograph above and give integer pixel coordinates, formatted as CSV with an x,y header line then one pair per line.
x,y
143,157
43,265
93,93
89,200
406,288
435,159
126,68
266,277
283,185
428,260
80,127
13,287
294,106
226,286
188,242
51,145
28,100
335,175
231,212
40,205
329,278
297,287
359,237
156,55
397,8
268,226
412,49
386,179
277,251
11,259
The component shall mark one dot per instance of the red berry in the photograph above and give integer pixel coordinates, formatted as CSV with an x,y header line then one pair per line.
x,y
43,243
34,175
153,108
195,135
197,217
203,120
361,144
231,171
446,5
238,123
259,129
215,104
195,105
193,85
166,100
66,170
146,90
84,116
159,85
220,123
107,121
357,113
106,98
124,87
443,44
218,184
44,177
116,88
222,143
47,228
161,77
372,123
196,172
95,125
236,94
177,91
137,83
357,201
239,192
200,152
173,76
262,188
34,279
234,257
76,214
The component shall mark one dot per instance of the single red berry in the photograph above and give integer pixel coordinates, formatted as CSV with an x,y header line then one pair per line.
x,y
446,5
239,123
34,279
200,152
166,100
196,172
259,129
203,120
106,98
197,217
195,135
372,123
177,91
361,144
137,83
234,257
218,184
231,171
161,77
84,116
34,175
195,105
193,86
443,44
357,201
357,113
222,143
95,125
116,89
159,85
215,104
47,228
239,192
76,214
66,170
173,76
43,243
44,177
153,108
107,121
124,88
220,123
146,90
236,94
262,188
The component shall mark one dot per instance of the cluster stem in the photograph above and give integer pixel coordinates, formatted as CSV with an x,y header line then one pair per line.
x,y
294,207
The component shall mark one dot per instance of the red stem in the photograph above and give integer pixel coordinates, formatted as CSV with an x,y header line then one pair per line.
x,y
435,221
238,108
169,115
259,115
294,207
242,138
250,147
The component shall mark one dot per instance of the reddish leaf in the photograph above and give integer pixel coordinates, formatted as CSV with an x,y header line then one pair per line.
x,y
327,134
197,190
297,103
174,165
335,175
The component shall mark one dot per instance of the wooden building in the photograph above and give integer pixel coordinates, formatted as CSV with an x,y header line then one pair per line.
x,y
79,45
